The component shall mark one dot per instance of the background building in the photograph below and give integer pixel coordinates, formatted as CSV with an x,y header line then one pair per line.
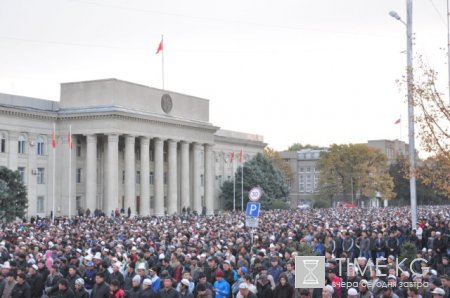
x,y
305,178
392,148
152,150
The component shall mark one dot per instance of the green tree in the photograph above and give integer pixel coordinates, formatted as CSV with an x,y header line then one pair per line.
x,y
353,170
299,146
278,162
426,193
13,195
259,171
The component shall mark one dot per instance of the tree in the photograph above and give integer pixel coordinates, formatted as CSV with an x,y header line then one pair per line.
x,y
349,171
13,195
278,162
299,146
433,119
259,171
426,193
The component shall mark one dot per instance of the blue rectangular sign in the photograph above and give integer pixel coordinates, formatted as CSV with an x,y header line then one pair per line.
x,y
253,209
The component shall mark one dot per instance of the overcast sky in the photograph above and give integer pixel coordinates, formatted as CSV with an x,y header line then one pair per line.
x,y
317,71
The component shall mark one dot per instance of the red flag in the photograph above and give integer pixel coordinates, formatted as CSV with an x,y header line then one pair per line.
x,y
231,156
398,121
241,155
160,47
70,138
54,138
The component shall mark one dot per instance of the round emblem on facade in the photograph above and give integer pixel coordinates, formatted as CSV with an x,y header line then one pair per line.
x,y
166,103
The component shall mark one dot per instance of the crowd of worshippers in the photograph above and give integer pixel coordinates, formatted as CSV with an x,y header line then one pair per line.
x,y
219,257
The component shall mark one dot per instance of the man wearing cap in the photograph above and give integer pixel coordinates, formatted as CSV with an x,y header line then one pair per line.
x,y
184,289
35,281
221,287
229,274
327,291
275,269
147,291
241,273
438,293
141,272
89,276
80,291
245,292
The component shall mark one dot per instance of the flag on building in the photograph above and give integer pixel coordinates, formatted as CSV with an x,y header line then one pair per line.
x,y
398,121
54,138
241,155
70,138
160,47
231,157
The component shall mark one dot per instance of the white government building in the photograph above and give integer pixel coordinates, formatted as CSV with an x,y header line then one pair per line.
x,y
152,150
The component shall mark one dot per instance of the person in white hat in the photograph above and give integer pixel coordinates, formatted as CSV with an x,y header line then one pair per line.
x,y
147,291
245,292
140,269
352,293
184,289
327,291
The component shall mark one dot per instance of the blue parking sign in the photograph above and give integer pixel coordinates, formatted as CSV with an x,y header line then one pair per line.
x,y
253,209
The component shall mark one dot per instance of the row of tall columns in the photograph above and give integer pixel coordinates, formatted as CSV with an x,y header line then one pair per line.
x,y
111,199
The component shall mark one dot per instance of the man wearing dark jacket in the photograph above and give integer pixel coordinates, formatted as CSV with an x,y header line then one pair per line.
x,y
393,245
147,291
22,288
51,284
35,281
101,288
64,290
167,291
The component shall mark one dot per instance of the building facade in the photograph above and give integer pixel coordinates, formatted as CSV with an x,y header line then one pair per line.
x,y
392,148
150,150
305,178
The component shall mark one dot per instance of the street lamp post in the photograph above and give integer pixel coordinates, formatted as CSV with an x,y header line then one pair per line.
x,y
409,82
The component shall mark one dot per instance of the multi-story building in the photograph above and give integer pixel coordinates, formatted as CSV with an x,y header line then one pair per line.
x,y
392,148
305,178
150,150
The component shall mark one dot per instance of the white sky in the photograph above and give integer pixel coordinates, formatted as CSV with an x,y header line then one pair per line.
x,y
317,71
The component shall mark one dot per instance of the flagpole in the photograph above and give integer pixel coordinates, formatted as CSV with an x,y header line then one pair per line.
x,y
54,167
70,170
234,186
242,180
162,61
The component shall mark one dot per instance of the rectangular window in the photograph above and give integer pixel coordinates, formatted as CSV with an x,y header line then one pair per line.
x,y
40,205
138,177
302,188
165,156
40,175
3,145
302,170
165,178
152,178
79,175
40,148
151,156
308,169
21,173
138,155
123,177
152,202
21,147
78,149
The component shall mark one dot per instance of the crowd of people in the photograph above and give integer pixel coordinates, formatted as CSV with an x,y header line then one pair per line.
x,y
197,256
